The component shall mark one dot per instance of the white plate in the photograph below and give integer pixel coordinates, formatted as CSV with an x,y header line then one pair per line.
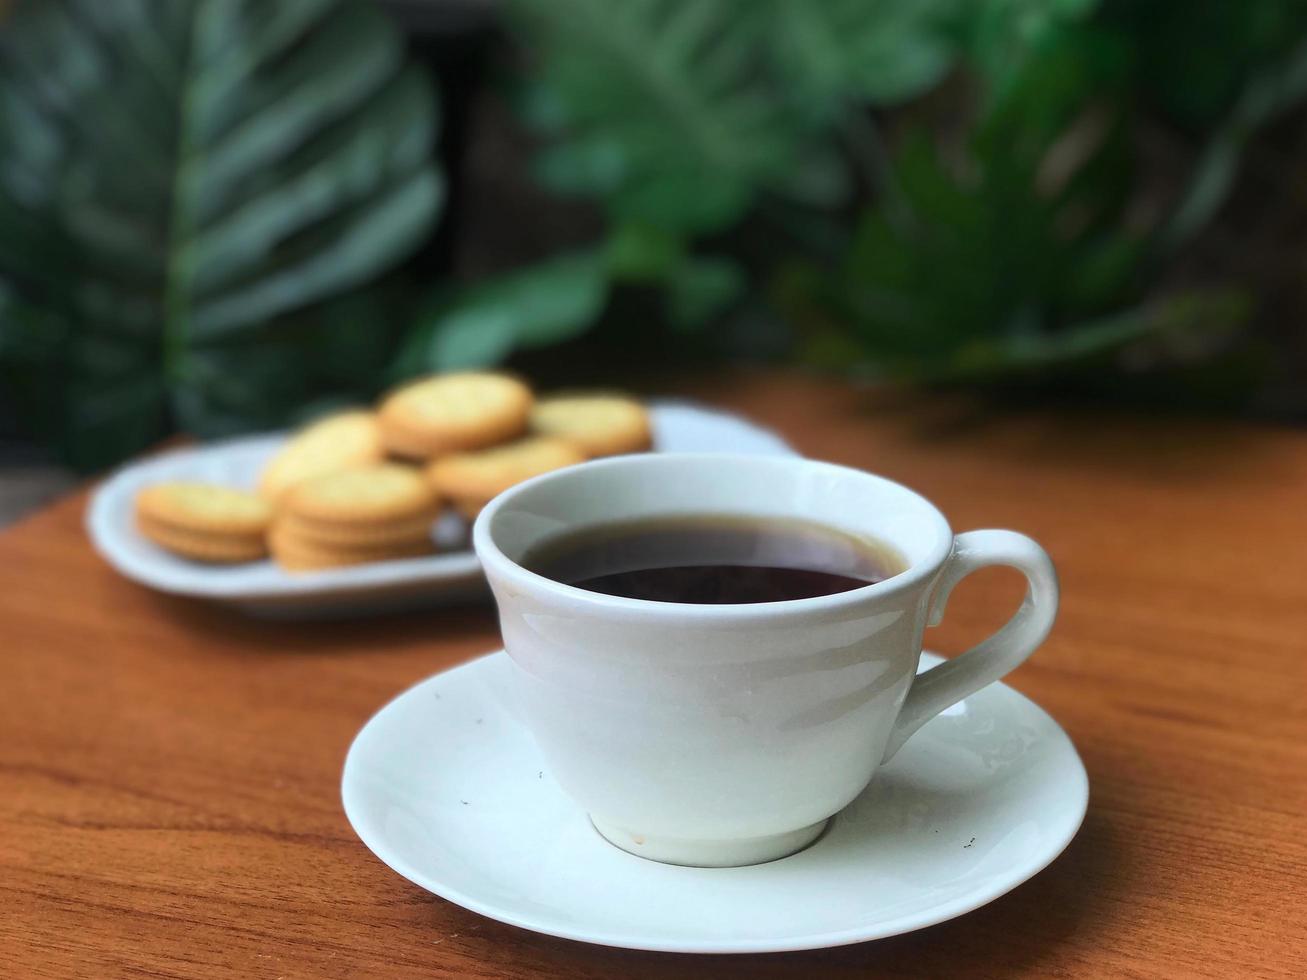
x,y
263,588
447,787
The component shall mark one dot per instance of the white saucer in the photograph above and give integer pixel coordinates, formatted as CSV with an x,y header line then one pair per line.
x,y
264,589
448,789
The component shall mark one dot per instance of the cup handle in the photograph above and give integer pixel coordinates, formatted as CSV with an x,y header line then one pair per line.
x,y
936,689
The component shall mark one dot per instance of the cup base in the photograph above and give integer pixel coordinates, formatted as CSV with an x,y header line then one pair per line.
x,y
709,853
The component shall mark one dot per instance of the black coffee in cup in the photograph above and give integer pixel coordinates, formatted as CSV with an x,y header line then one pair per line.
x,y
715,559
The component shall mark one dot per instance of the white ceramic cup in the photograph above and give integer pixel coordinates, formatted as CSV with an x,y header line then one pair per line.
x,y
722,735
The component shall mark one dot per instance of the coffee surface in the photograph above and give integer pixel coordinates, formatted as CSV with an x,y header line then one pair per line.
x,y
715,559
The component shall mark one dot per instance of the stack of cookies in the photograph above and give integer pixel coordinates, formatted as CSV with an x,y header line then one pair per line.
x,y
205,522
370,513
366,486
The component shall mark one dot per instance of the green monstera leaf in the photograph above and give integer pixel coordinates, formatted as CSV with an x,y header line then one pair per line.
x,y
183,186
885,52
660,108
681,113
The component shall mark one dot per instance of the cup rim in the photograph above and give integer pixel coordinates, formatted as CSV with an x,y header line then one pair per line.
x,y
494,559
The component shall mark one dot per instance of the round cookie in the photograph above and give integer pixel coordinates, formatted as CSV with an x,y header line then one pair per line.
x,y
368,495
598,425
203,545
381,534
453,412
337,442
473,478
297,554
203,508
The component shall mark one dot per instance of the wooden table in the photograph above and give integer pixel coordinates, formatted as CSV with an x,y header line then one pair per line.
x,y
169,772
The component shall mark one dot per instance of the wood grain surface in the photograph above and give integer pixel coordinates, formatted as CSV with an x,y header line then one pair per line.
x,y
169,772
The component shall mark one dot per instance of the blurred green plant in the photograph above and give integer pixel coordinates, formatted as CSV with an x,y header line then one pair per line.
x,y
183,183
690,120
681,117
994,251
203,202
781,152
